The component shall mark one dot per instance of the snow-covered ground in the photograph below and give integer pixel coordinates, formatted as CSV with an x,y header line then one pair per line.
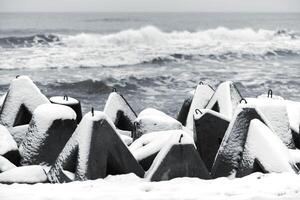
x,y
254,186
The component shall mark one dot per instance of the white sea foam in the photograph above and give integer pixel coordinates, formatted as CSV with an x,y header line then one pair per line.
x,y
146,44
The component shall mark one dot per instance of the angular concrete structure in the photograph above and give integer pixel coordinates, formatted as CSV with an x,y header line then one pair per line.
x,y
209,130
94,151
119,110
49,130
225,99
152,120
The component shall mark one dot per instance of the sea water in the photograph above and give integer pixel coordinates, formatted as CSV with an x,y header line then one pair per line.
x,y
153,59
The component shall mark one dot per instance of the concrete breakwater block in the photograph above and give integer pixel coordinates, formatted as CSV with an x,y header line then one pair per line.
x,y
268,149
119,110
145,148
151,120
202,95
70,102
95,150
230,153
22,98
184,110
235,158
177,158
209,130
8,146
225,99
274,112
49,130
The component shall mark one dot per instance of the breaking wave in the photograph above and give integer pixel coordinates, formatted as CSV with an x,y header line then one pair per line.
x,y
28,41
144,45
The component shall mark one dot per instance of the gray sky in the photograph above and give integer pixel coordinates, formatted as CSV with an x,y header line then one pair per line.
x,y
150,5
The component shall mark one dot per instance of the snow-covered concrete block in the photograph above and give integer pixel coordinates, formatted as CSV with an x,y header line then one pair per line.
x,y
209,130
293,110
265,146
119,110
240,154
145,148
202,95
230,153
5,164
18,133
225,99
8,146
95,150
176,158
22,98
152,120
274,112
49,130
184,110
26,174
70,102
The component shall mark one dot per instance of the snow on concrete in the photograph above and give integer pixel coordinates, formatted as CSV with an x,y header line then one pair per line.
x,y
37,134
255,186
5,164
7,143
151,120
226,97
19,132
274,112
63,100
293,110
2,98
264,145
116,103
198,115
21,91
153,142
81,141
27,174
202,95
174,137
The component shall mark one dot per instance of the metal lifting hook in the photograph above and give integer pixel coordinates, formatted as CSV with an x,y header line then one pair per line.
x,y
92,111
270,93
66,97
197,111
243,100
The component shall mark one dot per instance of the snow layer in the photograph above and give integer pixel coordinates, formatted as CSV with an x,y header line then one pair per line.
x,y
27,174
19,132
153,142
151,120
116,103
43,117
275,115
203,111
174,137
293,109
5,164
227,98
126,187
64,101
7,143
264,145
202,95
21,91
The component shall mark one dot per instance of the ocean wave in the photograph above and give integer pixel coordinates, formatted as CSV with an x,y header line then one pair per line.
x,y
145,45
28,41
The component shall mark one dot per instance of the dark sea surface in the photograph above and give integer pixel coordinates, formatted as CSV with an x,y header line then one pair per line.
x,y
153,59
